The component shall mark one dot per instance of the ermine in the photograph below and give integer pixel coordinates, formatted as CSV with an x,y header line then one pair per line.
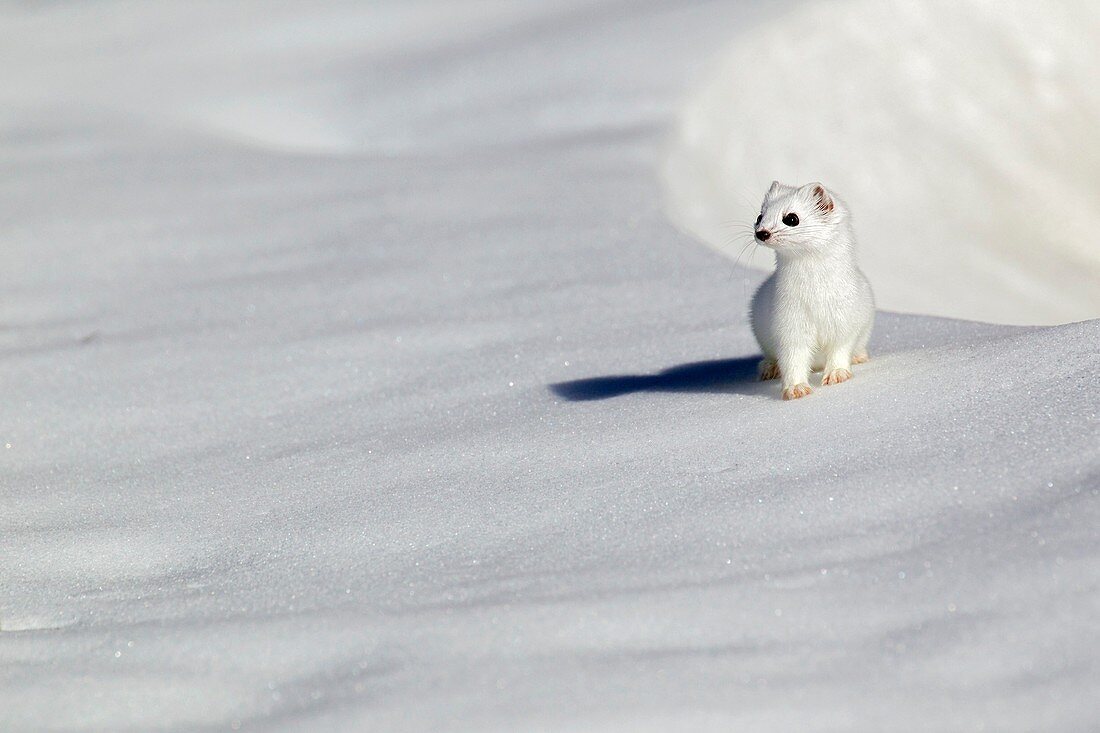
x,y
816,310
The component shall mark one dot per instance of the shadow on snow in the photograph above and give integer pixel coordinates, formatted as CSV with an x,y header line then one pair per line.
x,y
718,375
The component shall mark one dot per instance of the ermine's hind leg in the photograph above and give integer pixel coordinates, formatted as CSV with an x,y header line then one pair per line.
x,y
859,353
769,369
838,367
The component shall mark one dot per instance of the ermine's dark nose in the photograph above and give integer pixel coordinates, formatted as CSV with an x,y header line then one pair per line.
x,y
763,235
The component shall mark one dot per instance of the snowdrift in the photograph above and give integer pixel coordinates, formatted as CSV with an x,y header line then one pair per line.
x,y
964,135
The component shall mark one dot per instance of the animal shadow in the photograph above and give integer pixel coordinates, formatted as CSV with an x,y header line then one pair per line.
x,y
718,375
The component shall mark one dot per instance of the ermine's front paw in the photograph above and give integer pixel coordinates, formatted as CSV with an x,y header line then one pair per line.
x,y
836,376
769,369
798,390
861,358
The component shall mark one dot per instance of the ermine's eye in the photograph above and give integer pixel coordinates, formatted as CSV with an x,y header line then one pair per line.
x,y
791,220
759,219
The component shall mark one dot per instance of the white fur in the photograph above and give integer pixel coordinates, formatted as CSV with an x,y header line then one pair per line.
x,y
816,311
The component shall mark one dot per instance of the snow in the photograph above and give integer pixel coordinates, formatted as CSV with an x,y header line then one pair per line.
x,y
357,379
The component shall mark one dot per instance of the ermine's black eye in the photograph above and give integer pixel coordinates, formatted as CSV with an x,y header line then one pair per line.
x,y
759,219
791,220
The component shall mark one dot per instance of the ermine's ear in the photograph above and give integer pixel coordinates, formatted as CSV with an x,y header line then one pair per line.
x,y
774,188
822,199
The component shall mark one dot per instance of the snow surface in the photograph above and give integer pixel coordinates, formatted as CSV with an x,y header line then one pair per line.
x,y
356,380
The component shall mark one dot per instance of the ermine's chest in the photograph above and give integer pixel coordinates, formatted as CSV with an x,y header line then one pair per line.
x,y
816,296
821,308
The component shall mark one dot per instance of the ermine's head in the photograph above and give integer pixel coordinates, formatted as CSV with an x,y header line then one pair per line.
x,y
799,219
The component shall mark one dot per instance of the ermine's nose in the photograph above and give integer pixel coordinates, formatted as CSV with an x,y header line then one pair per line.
x,y
763,235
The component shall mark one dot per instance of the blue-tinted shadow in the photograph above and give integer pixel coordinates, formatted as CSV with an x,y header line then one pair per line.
x,y
719,375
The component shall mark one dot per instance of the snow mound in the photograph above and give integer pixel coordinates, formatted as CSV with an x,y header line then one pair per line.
x,y
965,136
